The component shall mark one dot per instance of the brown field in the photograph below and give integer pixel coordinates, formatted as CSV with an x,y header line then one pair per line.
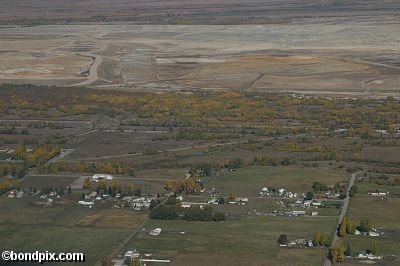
x,y
41,182
383,154
112,219
318,58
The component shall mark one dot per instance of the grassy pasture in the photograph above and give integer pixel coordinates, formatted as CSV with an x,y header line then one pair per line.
x,y
382,213
249,181
26,227
246,241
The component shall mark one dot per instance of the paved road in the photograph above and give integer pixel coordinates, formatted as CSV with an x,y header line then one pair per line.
x,y
343,213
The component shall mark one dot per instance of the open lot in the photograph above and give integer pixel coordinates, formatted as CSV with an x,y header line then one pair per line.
x,y
41,182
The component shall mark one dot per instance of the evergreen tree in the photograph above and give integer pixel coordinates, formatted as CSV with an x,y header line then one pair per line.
x,y
221,201
365,225
374,247
282,240
153,204
343,228
348,251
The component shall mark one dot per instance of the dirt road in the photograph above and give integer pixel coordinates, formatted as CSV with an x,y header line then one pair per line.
x,y
343,213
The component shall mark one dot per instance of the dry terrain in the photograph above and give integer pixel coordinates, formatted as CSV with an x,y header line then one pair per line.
x,y
350,58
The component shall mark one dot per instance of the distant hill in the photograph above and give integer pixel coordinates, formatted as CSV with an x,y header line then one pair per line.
x,y
37,12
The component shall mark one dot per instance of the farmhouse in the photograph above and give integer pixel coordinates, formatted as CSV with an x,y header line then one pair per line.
x,y
316,204
98,177
139,204
307,203
131,254
86,203
372,233
241,200
378,194
155,232
295,213
190,204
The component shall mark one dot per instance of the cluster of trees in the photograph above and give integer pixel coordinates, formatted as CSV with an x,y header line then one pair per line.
x,y
48,189
209,169
194,213
17,170
296,147
336,253
320,187
112,188
309,195
321,239
186,186
38,156
353,191
373,249
203,169
206,111
94,167
264,161
7,183
282,239
384,180
349,227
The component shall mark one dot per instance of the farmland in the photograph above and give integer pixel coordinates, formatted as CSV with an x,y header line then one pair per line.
x,y
382,214
31,228
201,132
249,240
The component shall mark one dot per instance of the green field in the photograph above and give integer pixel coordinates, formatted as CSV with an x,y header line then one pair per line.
x,y
249,181
247,241
383,213
365,187
25,227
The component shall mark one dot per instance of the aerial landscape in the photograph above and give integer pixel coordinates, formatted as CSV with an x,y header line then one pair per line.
x,y
222,132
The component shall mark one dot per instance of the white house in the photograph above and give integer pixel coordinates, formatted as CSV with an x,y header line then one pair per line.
x,y
155,232
307,203
378,194
131,254
316,204
372,233
86,203
241,199
98,177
